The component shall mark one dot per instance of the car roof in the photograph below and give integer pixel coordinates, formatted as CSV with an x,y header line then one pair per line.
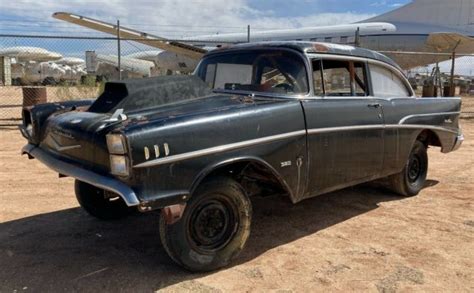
x,y
310,47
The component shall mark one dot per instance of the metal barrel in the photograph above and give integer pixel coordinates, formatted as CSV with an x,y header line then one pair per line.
x,y
33,95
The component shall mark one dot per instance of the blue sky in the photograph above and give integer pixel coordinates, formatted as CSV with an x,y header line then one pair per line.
x,y
173,18
189,17
295,8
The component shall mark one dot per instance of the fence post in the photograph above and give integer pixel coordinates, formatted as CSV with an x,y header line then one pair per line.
x,y
119,65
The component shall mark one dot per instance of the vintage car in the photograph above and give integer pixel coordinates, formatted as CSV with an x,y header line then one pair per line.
x,y
297,119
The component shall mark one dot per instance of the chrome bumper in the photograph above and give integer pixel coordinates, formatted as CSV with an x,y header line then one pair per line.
x,y
107,183
458,142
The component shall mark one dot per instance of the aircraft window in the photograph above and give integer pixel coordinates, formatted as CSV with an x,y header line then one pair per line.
x,y
341,78
387,84
257,71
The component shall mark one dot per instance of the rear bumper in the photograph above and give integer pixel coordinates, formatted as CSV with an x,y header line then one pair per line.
x,y
101,181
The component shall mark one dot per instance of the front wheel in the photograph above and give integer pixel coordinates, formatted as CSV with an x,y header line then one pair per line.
x,y
411,180
213,229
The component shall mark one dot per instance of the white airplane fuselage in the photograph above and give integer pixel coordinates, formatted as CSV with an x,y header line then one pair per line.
x,y
378,36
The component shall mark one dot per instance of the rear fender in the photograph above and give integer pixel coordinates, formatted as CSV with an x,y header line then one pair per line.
x,y
34,118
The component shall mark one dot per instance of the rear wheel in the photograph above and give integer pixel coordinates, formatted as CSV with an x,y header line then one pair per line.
x,y
213,229
100,203
411,180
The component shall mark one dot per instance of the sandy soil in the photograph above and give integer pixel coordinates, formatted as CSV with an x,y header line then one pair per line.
x,y
362,238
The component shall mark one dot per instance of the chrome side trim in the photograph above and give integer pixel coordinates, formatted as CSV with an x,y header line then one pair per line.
x,y
404,119
246,143
345,128
61,148
379,126
107,183
418,126
218,149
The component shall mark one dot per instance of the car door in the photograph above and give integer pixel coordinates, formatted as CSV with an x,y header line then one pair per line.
x,y
345,127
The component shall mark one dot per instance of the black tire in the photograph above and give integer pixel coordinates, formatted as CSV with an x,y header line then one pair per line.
x,y
213,229
412,178
93,200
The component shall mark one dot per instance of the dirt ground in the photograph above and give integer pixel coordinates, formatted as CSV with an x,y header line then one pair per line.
x,y
357,239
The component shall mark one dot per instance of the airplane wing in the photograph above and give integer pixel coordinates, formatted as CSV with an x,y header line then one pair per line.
x,y
447,42
131,34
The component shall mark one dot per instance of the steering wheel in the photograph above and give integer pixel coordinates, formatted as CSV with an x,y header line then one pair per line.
x,y
285,86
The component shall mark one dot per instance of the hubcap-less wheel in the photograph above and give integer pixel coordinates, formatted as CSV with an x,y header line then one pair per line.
x,y
212,224
213,229
413,176
414,168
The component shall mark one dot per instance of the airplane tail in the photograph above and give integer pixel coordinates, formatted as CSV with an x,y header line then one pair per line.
x,y
454,14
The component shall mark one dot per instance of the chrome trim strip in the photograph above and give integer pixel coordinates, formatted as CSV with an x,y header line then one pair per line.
x,y
60,148
218,149
344,128
242,144
378,126
417,126
105,182
427,115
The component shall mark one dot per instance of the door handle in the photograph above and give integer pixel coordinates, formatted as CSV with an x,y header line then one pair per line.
x,y
374,105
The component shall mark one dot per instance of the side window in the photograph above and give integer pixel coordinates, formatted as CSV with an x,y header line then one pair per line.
x,y
269,71
339,78
387,84
317,78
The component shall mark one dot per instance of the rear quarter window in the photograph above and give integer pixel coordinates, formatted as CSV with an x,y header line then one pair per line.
x,y
386,83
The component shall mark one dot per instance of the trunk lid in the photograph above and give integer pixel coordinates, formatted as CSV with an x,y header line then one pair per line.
x,y
79,137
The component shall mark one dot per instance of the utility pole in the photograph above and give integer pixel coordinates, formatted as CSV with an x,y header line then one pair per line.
x,y
248,33
118,51
453,63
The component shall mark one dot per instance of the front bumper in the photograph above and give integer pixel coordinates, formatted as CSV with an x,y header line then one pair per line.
x,y
458,142
101,181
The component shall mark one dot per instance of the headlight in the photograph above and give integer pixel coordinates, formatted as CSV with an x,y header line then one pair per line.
x,y
116,144
119,165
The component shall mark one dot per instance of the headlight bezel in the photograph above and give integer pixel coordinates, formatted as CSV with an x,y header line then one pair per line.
x,y
119,165
116,144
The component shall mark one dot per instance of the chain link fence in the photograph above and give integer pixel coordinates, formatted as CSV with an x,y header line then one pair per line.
x,y
60,68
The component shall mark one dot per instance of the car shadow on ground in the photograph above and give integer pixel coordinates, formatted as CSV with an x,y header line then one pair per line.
x,y
68,250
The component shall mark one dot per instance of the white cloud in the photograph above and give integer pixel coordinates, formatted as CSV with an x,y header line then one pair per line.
x,y
172,18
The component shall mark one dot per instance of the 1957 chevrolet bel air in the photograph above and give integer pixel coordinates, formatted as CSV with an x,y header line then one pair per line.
x,y
292,118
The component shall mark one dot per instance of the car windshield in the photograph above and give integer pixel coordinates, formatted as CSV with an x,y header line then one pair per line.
x,y
281,72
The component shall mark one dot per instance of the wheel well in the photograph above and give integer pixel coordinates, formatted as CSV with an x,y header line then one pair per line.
x,y
429,138
255,177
